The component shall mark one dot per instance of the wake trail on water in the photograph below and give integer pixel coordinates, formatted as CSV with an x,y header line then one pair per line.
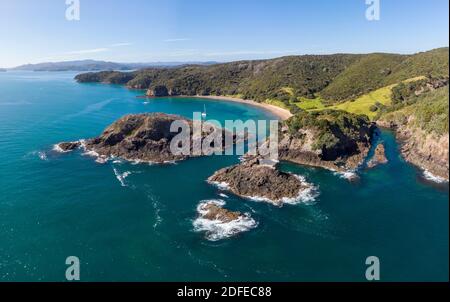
x,y
88,109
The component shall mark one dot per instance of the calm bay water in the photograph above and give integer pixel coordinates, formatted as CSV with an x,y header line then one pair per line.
x,y
57,205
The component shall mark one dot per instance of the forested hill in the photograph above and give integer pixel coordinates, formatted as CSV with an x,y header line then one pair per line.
x,y
334,78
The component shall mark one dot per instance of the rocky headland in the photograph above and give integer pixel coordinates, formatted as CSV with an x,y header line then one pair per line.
x,y
428,151
421,126
142,138
333,140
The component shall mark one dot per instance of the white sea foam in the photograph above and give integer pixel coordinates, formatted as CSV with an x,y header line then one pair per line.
x,y
91,153
223,195
348,175
431,177
306,196
42,155
216,230
58,149
221,185
121,176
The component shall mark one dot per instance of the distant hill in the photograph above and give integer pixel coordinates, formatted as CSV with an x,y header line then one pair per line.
x,y
92,65
334,78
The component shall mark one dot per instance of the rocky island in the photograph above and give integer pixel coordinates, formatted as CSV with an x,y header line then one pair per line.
x,y
379,157
255,180
218,223
214,212
139,138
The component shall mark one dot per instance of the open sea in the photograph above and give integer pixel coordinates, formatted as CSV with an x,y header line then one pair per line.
x,y
137,222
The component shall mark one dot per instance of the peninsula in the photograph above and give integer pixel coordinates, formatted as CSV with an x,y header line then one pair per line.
x,y
330,103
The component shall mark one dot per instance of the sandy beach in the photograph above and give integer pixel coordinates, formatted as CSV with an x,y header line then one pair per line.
x,y
281,113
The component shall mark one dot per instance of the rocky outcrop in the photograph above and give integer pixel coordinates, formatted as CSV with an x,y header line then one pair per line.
x,y
348,150
214,212
67,147
145,138
158,91
431,85
218,223
420,122
252,179
426,150
379,157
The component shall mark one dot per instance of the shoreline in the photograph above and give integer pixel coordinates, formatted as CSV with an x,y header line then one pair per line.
x,y
280,113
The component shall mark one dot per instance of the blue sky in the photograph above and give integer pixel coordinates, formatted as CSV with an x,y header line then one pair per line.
x,y
204,30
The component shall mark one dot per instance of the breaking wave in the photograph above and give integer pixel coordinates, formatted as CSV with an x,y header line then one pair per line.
x,y
58,149
216,230
308,195
220,185
348,175
431,177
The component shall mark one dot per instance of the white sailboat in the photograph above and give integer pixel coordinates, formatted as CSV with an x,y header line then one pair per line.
x,y
204,112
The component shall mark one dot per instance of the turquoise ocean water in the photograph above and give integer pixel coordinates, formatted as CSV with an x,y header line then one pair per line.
x,y
57,205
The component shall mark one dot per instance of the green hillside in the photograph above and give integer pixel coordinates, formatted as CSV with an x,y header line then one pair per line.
x,y
432,63
350,82
430,112
367,74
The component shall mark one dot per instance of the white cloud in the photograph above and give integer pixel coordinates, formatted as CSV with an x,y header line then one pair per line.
x,y
177,40
121,44
87,51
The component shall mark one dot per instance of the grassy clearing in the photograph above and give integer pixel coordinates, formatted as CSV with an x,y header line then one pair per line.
x,y
311,104
363,104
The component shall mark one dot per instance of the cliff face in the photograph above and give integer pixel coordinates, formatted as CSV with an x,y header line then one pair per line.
x,y
332,140
422,129
428,151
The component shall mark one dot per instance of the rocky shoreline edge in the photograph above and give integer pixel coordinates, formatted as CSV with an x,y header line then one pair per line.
x,y
427,155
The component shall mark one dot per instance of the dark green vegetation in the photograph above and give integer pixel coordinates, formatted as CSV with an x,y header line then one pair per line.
x,y
408,93
367,74
335,78
257,80
430,111
375,71
331,127
330,79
